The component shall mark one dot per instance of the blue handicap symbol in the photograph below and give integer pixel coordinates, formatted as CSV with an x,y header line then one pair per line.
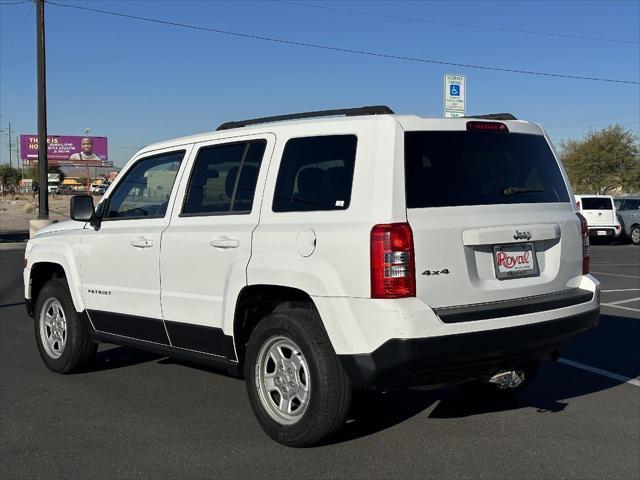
x,y
454,90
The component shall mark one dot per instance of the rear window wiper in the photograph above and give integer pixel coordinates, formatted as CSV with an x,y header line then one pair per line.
x,y
513,190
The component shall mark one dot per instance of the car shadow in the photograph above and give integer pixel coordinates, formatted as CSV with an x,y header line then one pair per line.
x,y
120,357
611,346
115,356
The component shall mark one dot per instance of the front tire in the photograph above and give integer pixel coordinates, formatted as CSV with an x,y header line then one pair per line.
x,y
63,343
297,387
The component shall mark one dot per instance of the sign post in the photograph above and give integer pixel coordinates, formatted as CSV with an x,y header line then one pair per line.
x,y
455,95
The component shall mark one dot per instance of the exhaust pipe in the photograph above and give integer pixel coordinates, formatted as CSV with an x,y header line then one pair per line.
x,y
508,379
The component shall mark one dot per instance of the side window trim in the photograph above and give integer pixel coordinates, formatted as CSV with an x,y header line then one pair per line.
x,y
248,143
184,152
237,179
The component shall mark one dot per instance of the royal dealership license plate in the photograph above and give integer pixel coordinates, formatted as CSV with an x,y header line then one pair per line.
x,y
515,260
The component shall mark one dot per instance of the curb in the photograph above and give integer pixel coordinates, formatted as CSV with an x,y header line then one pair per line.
x,y
7,246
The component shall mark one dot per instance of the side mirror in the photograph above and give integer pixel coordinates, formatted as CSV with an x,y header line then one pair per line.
x,y
81,208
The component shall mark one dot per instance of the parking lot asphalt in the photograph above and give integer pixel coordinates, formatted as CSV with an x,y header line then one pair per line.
x,y
138,415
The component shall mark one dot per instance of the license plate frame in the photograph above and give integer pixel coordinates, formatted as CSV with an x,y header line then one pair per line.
x,y
519,248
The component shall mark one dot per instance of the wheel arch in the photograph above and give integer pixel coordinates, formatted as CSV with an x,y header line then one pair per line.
x,y
52,261
254,302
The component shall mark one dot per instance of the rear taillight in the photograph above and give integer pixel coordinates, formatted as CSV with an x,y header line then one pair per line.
x,y
584,229
393,271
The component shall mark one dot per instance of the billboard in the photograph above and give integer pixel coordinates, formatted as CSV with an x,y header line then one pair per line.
x,y
67,150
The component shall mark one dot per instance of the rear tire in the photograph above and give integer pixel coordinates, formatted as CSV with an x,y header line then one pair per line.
x,y
634,235
297,387
63,343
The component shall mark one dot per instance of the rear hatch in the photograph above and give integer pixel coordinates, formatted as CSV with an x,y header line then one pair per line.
x,y
491,217
598,211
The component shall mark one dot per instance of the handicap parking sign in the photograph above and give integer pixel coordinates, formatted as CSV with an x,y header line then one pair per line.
x,y
455,92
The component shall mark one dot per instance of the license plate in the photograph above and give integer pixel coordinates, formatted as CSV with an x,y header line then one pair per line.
x,y
602,233
515,260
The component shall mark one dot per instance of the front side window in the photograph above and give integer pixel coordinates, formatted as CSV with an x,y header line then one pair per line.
x,y
146,188
316,173
224,179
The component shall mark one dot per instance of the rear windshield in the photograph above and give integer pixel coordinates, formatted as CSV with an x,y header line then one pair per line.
x,y
596,203
447,169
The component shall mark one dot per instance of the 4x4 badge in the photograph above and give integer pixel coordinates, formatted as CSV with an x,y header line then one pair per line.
x,y
522,235
436,272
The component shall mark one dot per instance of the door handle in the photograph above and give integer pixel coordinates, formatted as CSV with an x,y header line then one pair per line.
x,y
225,242
142,242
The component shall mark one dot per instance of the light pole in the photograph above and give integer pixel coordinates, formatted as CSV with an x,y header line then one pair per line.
x,y
43,190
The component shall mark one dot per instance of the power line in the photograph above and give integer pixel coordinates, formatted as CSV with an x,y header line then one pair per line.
x,y
343,50
16,3
464,25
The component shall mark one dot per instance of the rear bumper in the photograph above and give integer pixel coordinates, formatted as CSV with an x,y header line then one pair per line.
x,y
465,356
610,231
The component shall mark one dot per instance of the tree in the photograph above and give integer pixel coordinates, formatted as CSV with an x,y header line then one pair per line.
x,y
9,177
604,160
34,174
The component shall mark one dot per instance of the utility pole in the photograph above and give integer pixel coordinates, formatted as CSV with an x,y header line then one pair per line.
x,y
43,190
9,145
7,132
21,167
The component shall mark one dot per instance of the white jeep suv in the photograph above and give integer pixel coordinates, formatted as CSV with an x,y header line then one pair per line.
x,y
321,252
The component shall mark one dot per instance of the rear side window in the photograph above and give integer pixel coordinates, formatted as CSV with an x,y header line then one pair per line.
x,y
224,179
446,169
316,173
596,203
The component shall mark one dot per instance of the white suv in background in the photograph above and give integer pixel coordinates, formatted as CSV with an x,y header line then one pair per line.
x,y
323,252
600,213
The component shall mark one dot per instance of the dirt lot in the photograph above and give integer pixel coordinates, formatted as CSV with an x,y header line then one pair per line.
x,y
17,210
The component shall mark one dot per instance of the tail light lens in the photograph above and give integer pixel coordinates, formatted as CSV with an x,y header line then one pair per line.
x,y
393,271
584,228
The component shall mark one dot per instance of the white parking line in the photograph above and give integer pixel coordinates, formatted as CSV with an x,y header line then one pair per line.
x,y
622,290
618,264
622,301
599,371
620,307
616,275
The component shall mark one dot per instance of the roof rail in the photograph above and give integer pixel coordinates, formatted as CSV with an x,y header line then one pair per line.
x,y
348,112
494,116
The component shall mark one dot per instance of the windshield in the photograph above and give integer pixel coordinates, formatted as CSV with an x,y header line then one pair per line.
x,y
444,169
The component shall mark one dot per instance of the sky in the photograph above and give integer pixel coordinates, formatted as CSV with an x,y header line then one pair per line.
x,y
138,82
